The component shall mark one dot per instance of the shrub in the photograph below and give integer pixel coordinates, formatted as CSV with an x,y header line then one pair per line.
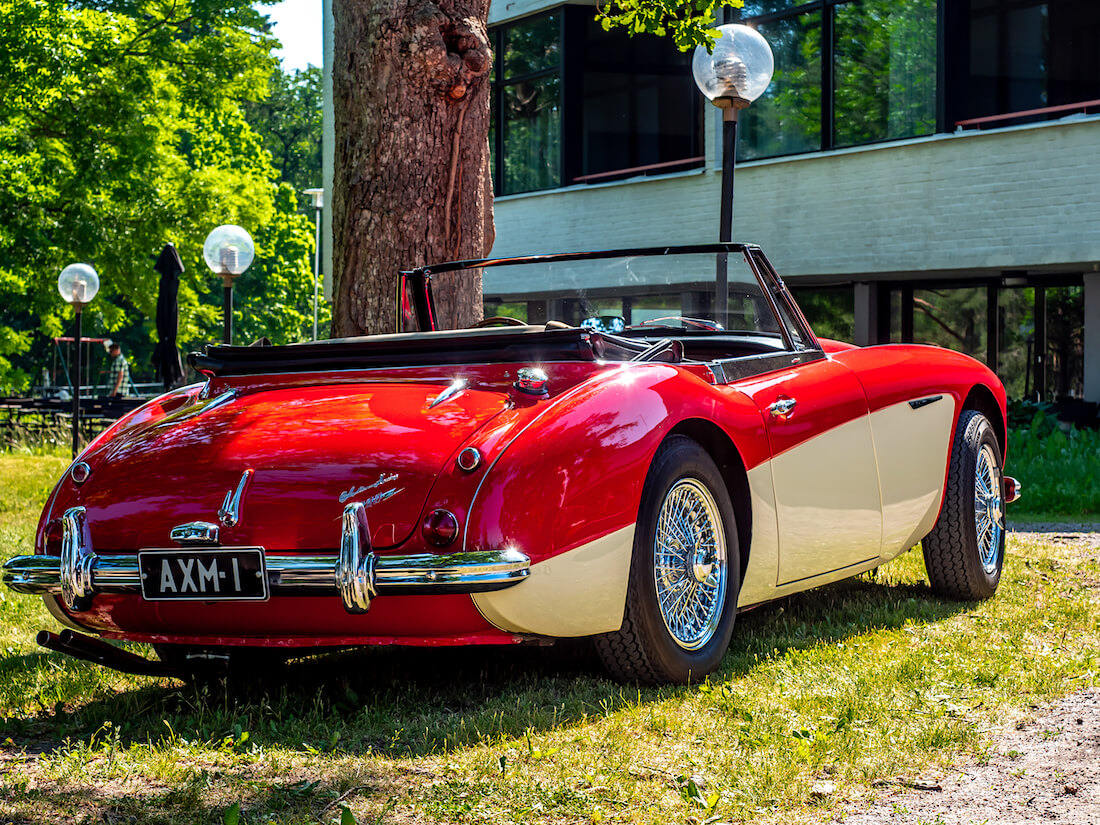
x,y
1059,470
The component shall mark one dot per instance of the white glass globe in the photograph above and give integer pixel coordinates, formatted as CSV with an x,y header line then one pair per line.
x,y
78,283
228,250
739,68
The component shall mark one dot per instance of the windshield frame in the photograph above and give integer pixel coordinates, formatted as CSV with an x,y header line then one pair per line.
x,y
415,298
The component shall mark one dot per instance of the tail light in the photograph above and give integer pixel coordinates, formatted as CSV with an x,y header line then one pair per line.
x,y
52,538
440,528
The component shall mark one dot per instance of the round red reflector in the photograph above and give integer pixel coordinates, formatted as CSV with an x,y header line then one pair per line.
x,y
80,472
440,528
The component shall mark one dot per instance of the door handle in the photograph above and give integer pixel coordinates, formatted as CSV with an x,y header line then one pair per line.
x,y
782,407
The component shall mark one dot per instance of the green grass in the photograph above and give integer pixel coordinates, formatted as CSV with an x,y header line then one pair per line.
x,y
1060,471
866,679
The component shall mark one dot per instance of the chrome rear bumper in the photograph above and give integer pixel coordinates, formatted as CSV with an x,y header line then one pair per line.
x,y
357,573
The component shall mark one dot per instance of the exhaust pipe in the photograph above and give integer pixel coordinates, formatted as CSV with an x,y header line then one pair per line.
x,y
99,652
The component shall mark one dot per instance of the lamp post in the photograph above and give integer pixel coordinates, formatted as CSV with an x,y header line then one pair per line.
x,y
318,196
228,251
731,76
78,285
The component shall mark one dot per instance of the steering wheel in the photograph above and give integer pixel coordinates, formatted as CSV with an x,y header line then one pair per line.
x,y
499,321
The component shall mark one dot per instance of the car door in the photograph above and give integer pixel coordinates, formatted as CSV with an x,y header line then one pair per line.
x,y
825,476
824,467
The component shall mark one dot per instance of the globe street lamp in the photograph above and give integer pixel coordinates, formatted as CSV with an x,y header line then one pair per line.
x,y
78,285
731,76
228,251
318,196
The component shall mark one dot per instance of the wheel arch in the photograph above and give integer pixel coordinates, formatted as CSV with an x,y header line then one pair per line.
x,y
981,398
721,448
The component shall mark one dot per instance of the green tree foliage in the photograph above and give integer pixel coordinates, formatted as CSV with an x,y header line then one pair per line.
x,y
689,23
288,120
121,128
885,70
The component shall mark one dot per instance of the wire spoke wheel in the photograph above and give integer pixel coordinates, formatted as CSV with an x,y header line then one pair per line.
x,y
689,570
988,508
685,566
965,551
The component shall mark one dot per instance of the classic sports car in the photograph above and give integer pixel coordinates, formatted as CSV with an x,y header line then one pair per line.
x,y
636,446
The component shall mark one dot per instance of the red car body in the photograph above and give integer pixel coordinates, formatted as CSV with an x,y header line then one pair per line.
x,y
854,473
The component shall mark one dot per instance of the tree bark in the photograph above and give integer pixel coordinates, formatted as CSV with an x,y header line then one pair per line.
x,y
411,174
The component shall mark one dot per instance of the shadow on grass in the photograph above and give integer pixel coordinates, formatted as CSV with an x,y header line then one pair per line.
x,y
191,802
408,702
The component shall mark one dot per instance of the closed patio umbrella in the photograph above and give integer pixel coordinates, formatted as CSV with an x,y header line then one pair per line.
x,y
166,357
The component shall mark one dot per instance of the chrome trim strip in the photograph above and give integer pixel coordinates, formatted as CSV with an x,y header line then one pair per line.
x,y
218,400
313,575
462,570
749,366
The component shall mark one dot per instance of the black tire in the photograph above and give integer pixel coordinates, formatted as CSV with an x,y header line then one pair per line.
x,y
965,551
644,649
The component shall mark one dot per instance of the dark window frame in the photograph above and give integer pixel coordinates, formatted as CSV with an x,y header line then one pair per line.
x,y
500,84
827,10
574,62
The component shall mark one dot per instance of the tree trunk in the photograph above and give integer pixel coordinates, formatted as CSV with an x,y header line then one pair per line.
x,y
411,175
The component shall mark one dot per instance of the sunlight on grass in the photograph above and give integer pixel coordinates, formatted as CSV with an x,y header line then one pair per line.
x,y
867,679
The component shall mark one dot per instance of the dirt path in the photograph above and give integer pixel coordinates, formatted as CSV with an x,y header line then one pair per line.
x,y
1046,770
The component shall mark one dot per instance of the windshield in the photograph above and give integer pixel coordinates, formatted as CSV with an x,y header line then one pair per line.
x,y
637,294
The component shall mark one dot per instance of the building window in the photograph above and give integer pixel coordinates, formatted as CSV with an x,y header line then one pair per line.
x,y
846,73
640,108
526,124
575,104
1026,55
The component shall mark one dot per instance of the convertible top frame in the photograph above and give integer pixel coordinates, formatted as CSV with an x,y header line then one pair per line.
x,y
415,301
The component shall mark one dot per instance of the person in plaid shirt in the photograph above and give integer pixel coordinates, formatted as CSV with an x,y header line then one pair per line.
x,y
118,379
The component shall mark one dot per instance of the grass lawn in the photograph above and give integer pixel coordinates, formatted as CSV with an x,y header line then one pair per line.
x,y
867,679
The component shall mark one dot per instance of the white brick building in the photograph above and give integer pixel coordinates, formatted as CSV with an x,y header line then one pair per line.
x,y
907,225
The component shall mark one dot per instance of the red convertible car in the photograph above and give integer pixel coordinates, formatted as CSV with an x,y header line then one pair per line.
x,y
638,445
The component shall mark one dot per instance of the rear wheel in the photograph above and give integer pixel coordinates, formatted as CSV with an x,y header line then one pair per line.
x,y
684,573
964,553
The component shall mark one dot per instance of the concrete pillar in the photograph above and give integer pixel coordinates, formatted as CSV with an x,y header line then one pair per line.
x,y
866,320
992,325
1092,336
1039,351
907,310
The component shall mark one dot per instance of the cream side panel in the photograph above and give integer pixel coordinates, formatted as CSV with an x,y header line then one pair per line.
x,y
912,447
580,592
828,503
825,578
763,567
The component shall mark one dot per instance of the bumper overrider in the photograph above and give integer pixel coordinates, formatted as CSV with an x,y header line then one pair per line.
x,y
356,573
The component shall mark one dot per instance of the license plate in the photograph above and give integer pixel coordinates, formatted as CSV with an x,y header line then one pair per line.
x,y
222,574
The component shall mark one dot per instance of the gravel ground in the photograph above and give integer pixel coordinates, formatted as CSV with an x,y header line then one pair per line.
x,y
1044,770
